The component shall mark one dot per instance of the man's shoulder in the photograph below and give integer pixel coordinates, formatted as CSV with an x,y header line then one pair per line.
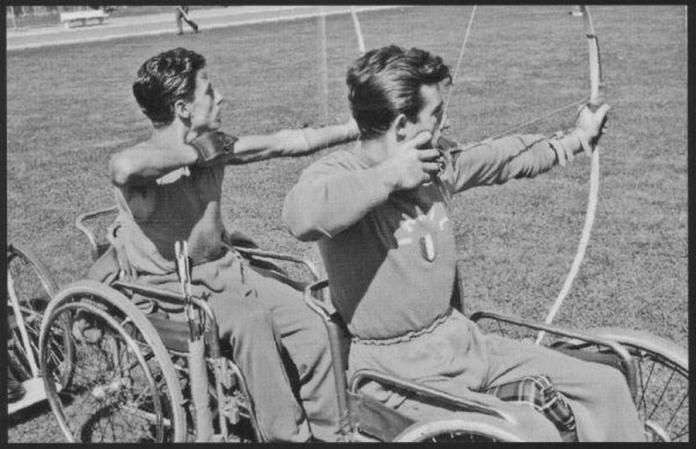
x,y
338,160
131,150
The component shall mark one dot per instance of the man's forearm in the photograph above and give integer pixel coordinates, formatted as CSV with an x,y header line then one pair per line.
x,y
498,161
318,138
291,142
323,206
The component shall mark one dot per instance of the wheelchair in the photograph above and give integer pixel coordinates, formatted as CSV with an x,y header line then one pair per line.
x,y
131,372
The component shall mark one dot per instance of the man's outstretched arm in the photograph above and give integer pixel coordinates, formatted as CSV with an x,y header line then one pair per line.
x,y
291,142
134,166
526,156
217,147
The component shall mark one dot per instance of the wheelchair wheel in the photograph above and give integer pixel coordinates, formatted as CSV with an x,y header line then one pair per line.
x,y
124,386
464,428
662,397
33,287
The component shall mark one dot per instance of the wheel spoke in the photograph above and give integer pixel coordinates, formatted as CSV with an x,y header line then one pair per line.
x,y
644,387
676,411
682,432
657,403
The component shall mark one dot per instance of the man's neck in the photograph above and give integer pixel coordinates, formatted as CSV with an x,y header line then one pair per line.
x,y
171,136
374,151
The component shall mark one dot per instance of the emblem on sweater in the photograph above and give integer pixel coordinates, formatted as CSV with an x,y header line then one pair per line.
x,y
427,247
421,225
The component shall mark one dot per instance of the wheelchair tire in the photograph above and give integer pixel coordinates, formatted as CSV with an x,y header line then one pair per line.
x,y
34,288
662,396
466,427
124,386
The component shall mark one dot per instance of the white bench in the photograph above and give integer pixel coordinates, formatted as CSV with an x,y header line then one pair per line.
x,y
71,17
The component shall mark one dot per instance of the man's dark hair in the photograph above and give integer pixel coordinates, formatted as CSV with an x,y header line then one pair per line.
x,y
386,82
164,79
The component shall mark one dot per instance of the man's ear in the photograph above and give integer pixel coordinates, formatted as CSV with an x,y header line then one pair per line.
x,y
400,127
182,109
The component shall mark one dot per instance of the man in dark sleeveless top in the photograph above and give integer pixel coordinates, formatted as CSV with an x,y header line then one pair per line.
x,y
168,188
380,215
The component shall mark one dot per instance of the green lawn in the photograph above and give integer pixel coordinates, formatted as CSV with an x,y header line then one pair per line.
x,y
70,107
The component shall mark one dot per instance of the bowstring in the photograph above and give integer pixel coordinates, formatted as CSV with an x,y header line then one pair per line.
x,y
541,117
459,60
576,103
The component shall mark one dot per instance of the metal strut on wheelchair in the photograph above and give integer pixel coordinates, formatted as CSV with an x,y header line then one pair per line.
x,y
148,377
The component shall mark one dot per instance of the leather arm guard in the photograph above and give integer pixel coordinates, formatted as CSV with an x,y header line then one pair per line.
x,y
213,146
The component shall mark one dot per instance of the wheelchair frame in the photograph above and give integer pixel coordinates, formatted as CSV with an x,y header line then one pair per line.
x,y
24,319
362,418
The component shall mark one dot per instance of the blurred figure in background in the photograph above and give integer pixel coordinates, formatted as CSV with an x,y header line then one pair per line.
x,y
182,15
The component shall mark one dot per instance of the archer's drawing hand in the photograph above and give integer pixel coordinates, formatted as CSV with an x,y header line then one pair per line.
x,y
589,126
411,166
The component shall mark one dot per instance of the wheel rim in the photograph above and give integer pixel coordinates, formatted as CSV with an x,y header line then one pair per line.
x,y
34,288
472,428
662,397
117,392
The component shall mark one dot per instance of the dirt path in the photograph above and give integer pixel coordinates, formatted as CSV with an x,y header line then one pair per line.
x,y
154,24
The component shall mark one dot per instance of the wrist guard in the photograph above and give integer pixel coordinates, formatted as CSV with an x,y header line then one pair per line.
x,y
213,146
567,144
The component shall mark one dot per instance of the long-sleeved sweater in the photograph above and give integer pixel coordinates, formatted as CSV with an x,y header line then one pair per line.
x,y
391,256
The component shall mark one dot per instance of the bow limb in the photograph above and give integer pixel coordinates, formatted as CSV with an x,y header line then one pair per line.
x,y
459,62
596,86
358,30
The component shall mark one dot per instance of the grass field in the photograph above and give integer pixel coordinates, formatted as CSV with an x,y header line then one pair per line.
x,y
70,107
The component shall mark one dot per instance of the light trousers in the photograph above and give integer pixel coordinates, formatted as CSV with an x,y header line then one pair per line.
x,y
458,358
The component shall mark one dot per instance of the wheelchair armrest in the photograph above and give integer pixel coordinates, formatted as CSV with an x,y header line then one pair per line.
x,y
466,404
617,348
80,224
255,252
178,299
376,419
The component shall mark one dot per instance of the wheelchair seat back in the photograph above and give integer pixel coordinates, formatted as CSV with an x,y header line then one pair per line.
x,y
95,226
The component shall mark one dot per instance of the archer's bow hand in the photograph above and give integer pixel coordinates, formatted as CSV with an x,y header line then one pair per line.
x,y
589,127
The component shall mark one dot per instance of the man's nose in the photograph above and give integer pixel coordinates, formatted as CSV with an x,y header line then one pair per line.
x,y
445,123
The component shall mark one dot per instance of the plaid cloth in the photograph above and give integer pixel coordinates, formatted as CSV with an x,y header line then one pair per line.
x,y
538,392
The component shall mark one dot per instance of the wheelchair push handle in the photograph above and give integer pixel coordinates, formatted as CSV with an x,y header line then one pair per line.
x,y
256,252
81,225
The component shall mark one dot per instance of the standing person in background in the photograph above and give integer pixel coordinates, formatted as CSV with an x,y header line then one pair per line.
x,y
182,14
